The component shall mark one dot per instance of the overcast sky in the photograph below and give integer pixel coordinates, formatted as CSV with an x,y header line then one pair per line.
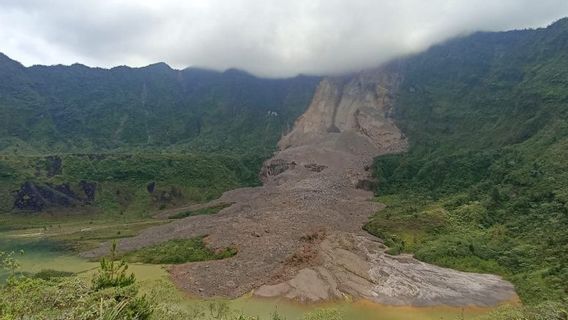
x,y
265,37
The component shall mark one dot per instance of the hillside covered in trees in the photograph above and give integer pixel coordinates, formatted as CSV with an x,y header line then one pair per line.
x,y
153,136
484,184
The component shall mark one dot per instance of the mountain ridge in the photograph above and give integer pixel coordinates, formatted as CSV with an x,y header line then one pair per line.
x,y
485,117
482,187
124,128
133,93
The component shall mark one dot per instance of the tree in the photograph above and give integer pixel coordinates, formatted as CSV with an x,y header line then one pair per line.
x,y
112,273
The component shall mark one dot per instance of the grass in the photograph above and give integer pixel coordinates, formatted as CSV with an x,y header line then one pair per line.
x,y
195,137
198,212
178,251
74,232
131,184
405,223
48,274
91,237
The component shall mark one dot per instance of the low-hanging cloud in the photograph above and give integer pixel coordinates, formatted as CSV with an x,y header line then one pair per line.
x,y
268,38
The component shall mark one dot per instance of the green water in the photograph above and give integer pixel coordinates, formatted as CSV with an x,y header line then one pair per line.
x,y
40,254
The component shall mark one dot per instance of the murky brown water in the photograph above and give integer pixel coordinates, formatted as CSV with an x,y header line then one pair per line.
x,y
46,255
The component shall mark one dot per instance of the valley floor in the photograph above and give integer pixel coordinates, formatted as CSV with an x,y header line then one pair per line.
x,y
300,236
40,253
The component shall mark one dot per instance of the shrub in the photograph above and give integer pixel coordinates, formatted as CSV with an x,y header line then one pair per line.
x,y
179,251
112,273
323,314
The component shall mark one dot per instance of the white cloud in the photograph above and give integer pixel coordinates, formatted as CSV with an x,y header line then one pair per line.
x,y
269,38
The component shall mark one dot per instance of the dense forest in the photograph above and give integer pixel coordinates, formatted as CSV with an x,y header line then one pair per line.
x,y
136,139
484,184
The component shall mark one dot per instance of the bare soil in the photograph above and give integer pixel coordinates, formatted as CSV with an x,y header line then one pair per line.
x,y
300,234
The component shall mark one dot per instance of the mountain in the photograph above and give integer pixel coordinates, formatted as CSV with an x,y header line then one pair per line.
x,y
482,187
192,133
299,234
484,184
81,109
471,142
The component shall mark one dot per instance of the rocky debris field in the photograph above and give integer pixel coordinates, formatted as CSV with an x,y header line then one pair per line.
x,y
300,234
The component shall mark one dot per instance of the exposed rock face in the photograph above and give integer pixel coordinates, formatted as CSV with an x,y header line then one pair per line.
x,y
37,197
300,235
53,165
360,105
150,187
89,189
358,266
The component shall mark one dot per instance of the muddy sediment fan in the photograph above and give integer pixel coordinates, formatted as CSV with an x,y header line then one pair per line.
x,y
299,235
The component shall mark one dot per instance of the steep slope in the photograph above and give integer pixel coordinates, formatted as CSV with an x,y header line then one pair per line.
x,y
483,185
360,104
80,109
189,134
299,235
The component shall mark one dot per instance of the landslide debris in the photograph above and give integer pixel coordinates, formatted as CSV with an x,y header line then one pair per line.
x,y
300,234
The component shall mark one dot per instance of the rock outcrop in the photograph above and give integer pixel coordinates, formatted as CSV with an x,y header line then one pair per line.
x,y
34,196
300,234
357,265
359,105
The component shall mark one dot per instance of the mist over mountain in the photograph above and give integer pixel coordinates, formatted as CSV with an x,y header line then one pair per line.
x,y
453,159
485,117
267,38
80,109
67,131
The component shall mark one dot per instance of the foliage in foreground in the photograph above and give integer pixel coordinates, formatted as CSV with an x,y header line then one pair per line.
x,y
545,311
60,296
112,272
113,295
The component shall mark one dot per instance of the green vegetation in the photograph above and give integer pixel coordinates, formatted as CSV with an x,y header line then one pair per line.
x,y
76,109
92,235
112,273
132,184
203,211
544,311
51,294
112,295
8,263
484,185
67,233
136,140
323,314
48,274
178,251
